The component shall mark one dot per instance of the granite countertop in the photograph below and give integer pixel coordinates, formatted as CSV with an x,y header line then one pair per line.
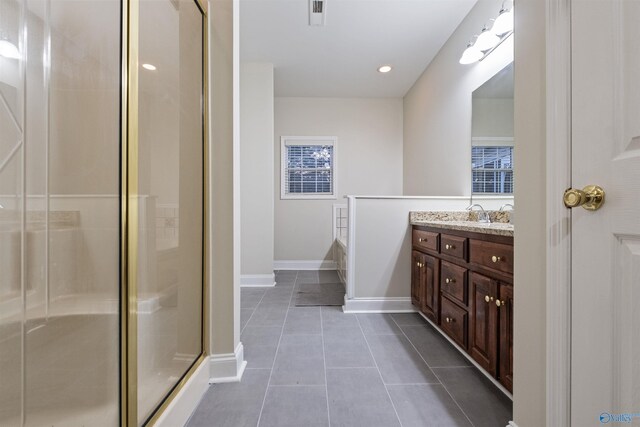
x,y
465,221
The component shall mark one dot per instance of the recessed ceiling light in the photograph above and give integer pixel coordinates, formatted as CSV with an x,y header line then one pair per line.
x,y
149,67
384,69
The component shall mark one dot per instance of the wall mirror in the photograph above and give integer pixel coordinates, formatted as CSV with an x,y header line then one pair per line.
x,y
492,141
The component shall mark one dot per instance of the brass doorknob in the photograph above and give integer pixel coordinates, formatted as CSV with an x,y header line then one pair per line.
x,y
590,197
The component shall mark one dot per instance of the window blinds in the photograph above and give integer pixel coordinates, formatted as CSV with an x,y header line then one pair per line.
x,y
308,169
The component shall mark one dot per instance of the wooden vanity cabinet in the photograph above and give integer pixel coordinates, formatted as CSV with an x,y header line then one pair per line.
x,y
505,367
483,334
463,283
425,283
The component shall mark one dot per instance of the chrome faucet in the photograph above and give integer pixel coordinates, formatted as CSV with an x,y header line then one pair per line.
x,y
483,216
511,214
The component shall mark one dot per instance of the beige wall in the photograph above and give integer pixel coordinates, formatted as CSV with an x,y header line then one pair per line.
x,y
256,168
224,297
492,117
368,158
437,111
529,386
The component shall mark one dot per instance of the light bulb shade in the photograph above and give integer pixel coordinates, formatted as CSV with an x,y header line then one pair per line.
x,y
503,24
486,40
9,50
470,55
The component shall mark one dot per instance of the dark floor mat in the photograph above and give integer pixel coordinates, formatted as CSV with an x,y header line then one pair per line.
x,y
313,294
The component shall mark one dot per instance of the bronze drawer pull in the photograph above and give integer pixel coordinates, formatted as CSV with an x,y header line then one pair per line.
x,y
496,258
449,247
420,239
449,319
447,280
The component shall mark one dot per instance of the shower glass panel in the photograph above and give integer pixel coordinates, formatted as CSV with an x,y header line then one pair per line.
x,y
59,212
170,203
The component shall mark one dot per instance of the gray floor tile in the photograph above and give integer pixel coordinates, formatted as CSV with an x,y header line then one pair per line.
x,y
412,319
426,405
333,318
346,348
268,316
481,401
260,356
299,361
261,335
282,304
326,276
250,302
357,397
245,315
277,295
378,324
252,292
233,404
398,361
304,320
295,407
433,347
320,287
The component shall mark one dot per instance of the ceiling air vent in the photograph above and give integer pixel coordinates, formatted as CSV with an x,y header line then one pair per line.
x,y
317,12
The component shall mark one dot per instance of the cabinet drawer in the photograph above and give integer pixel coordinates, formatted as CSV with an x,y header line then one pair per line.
x,y
453,281
497,256
454,246
454,322
425,240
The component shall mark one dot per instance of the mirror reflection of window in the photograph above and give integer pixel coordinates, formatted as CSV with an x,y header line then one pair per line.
x,y
492,142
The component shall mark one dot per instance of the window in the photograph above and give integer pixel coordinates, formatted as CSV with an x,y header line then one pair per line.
x,y
492,169
308,167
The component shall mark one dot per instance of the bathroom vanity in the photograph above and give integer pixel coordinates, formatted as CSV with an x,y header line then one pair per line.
x,y
462,281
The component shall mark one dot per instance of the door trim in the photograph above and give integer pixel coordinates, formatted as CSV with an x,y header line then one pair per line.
x,y
558,251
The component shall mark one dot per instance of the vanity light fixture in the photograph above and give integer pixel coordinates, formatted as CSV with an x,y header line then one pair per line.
x,y
490,37
385,68
486,40
471,54
503,23
9,50
149,67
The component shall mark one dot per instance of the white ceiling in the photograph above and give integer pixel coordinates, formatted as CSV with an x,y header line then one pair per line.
x,y
341,58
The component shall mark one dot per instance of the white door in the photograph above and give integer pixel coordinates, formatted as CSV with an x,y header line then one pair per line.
x,y
605,343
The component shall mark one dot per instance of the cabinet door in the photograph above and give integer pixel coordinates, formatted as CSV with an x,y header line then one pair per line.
x,y
483,344
417,281
431,276
505,368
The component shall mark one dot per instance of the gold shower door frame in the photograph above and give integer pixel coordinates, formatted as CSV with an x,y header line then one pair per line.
x,y
129,217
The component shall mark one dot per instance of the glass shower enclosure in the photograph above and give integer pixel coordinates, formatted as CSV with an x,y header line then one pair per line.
x,y
102,214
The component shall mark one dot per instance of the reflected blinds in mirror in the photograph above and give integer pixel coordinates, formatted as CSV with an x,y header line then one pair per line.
x,y
492,169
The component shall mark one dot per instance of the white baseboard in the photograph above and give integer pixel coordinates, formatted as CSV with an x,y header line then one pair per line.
x,y
512,424
305,265
227,367
186,401
257,280
378,305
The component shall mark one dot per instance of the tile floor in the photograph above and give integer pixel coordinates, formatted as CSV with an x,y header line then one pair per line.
x,y
317,366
